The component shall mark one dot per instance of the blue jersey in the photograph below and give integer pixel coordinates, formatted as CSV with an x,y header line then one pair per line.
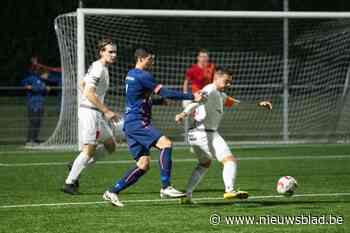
x,y
139,131
36,96
139,87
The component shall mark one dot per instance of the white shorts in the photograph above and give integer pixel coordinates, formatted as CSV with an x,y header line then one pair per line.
x,y
92,127
208,145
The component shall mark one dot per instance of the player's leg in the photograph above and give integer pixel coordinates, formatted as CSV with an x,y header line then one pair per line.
x,y
30,137
108,147
229,162
148,136
106,144
80,163
199,143
165,164
197,175
37,124
129,178
229,176
101,151
133,174
141,155
88,134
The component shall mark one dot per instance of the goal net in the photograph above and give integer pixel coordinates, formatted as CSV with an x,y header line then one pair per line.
x,y
302,65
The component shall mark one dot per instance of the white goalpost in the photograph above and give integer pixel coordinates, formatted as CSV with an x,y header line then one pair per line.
x,y
299,60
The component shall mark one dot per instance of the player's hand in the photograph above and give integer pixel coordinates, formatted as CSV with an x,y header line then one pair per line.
x,y
28,87
199,96
112,116
180,117
265,104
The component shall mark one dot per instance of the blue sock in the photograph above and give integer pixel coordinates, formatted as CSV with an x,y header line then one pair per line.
x,y
165,164
130,178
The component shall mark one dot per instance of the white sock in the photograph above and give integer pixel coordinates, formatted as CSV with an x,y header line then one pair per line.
x,y
100,153
79,164
194,180
229,175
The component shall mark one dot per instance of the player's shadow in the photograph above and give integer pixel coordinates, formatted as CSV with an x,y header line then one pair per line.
x,y
124,193
221,190
208,191
262,203
156,192
234,204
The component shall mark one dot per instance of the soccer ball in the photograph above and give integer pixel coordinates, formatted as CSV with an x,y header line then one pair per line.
x,y
286,185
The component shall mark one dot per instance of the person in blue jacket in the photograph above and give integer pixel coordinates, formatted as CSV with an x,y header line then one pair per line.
x,y
36,88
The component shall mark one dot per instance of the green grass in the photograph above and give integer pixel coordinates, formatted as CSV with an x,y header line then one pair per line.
x,y
313,166
14,120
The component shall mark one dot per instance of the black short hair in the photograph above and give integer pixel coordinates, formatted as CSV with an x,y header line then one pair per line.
x,y
142,53
201,50
224,70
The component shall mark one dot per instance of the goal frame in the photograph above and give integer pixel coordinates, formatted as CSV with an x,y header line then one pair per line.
x,y
285,15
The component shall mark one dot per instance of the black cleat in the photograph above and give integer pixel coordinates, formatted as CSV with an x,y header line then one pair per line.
x,y
76,182
70,189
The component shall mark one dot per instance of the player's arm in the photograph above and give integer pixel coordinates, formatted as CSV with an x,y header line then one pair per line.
x,y
89,91
172,94
82,85
187,111
90,94
150,83
35,63
28,87
89,84
192,106
230,102
50,68
26,84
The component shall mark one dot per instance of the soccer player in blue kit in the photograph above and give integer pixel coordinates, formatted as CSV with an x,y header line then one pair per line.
x,y
141,135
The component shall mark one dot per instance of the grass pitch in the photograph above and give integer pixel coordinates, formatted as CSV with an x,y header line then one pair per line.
x,y
30,200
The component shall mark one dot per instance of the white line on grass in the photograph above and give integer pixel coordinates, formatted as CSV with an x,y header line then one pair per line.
x,y
181,160
19,151
171,200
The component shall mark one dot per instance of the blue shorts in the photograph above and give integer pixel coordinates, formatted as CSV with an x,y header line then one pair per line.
x,y
140,138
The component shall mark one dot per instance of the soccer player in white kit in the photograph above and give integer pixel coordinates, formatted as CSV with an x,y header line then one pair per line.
x,y
206,141
95,135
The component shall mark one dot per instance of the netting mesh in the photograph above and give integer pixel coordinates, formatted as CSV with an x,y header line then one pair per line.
x,y
318,64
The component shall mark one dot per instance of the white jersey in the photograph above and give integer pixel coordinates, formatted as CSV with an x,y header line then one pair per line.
x,y
209,114
98,77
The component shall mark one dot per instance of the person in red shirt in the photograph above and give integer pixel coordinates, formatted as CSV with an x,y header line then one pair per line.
x,y
36,65
200,73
